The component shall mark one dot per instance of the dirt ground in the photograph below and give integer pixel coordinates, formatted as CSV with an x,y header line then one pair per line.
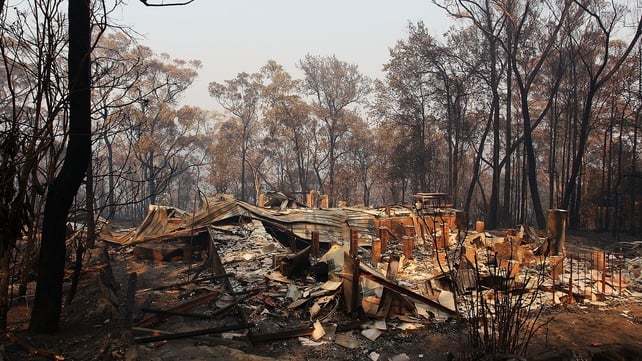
x,y
93,327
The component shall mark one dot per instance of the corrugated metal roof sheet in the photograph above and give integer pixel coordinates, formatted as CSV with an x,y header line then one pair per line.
x,y
333,225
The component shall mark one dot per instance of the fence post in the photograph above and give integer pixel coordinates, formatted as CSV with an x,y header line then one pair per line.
x,y
603,273
570,278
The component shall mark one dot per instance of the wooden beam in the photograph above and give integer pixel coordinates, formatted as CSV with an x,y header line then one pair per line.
x,y
371,274
180,308
386,297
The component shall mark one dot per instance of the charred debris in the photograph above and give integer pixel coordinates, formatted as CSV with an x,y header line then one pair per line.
x,y
244,274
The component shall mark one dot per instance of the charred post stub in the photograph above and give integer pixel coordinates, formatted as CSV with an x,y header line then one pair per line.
x,y
445,234
376,251
383,235
479,226
315,244
325,201
408,246
556,226
354,243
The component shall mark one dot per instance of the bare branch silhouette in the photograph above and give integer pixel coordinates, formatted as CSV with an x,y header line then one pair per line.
x,y
169,4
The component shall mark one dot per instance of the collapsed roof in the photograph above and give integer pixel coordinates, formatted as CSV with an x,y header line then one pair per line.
x,y
297,223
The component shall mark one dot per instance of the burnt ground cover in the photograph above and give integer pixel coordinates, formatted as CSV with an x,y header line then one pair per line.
x,y
93,325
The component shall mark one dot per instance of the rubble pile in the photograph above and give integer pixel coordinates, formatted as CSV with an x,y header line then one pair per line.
x,y
343,277
634,268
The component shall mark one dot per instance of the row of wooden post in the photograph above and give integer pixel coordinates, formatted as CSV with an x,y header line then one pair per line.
x,y
599,262
380,244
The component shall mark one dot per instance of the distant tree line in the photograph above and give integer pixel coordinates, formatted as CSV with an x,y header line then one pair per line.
x,y
521,106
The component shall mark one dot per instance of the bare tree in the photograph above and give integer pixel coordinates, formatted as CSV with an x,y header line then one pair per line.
x,y
241,96
600,65
361,164
527,71
118,64
224,151
490,23
288,126
32,122
156,131
334,86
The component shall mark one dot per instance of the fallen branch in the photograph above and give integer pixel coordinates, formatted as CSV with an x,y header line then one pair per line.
x,y
179,335
32,350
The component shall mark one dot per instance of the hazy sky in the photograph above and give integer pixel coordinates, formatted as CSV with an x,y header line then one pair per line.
x,y
233,36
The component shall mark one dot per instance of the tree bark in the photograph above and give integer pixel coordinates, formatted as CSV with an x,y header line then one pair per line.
x,y
492,213
507,214
111,203
531,170
476,168
578,159
45,317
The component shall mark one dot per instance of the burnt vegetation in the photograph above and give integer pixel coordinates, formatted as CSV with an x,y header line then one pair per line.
x,y
524,116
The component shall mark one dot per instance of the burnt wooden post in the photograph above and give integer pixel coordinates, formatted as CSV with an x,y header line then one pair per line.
x,y
557,268
355,289
309,199
376,251
315,244
408,246
354,243
351,275
130,303
479,226
570,279
383,235
445,234
603,272
217,266
556,227
553,276
325,201
386,297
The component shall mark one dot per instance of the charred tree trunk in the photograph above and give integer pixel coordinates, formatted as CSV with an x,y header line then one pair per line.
x,y
111,203
531,169
524,190
5,261
11,211
507,213
578,159
12,216
89,194
632,179
476,168
90,231
492,214
45,317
